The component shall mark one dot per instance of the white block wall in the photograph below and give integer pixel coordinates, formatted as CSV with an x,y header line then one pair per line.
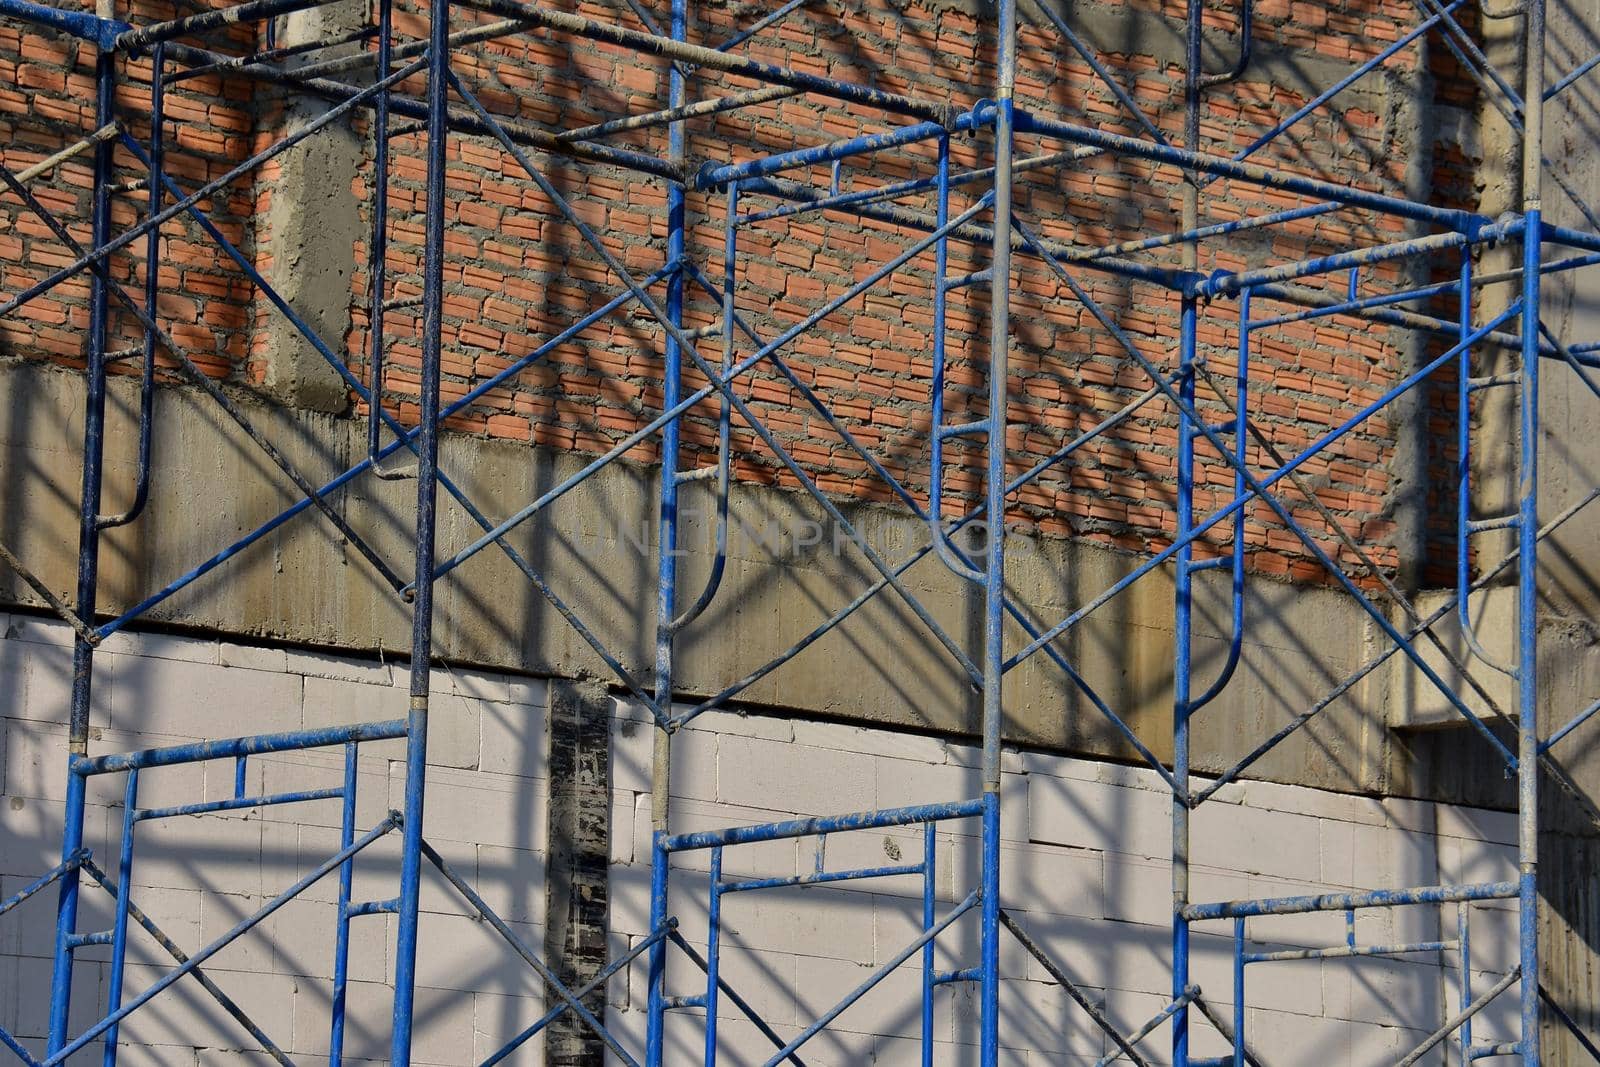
x,y
1084,865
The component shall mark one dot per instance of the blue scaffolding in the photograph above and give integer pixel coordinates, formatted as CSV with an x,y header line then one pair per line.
x,y
971,206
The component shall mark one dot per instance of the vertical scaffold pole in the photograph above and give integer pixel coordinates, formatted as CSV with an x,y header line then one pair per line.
x,y
1528,533
1183,581
94,419
995,514
341,932
405,977
378,247
667,563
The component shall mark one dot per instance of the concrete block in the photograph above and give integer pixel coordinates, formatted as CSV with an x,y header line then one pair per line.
x,y
629,1029
1138,890
512,882
1305,930
1462,860
1045,878
628,896
252,951
1254,841
293,772
793,778
1138,959
190,699
280,856
477,808
898,922
765,859
253,657
971,755
377,875
1378,1046
454,732
469,684
696,769
168,1055
694,756
38,630
1500,1019
368,1015
903,782
1044,1019
1275,796
740,723
632,745
1064,811
347,668
465,954
302,935
153,644
529,692
1293,986
766,981
374,872
186,1014
205,852
890,1007
618,945
1493,933
889,846
621,830
845,737
30,834
1396,992
512,740
1336,843
37,683
1403,813
1477,824
1392,857
810,921
497,1019
1210,885
963,1016
25,996
740,1041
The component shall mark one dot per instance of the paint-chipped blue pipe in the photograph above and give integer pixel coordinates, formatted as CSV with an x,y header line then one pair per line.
x,y
713,956
1226,284
81,24
820,878
1463,221
862,820
119,931
341,936
712,176
1341,952
1376,898
235,803
258,744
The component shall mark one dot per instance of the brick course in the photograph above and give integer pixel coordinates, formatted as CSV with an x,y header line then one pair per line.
x,y
516,272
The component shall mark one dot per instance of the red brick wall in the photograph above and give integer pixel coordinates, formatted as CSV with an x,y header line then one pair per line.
x,y
517,272
47,102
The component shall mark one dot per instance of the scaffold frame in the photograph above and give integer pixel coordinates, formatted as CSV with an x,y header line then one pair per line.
x,y
451,108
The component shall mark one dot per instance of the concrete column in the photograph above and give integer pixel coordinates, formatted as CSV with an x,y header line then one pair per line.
x,y
576,887
314,225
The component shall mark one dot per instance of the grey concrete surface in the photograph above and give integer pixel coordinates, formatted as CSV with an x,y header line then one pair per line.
x,y
298,585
